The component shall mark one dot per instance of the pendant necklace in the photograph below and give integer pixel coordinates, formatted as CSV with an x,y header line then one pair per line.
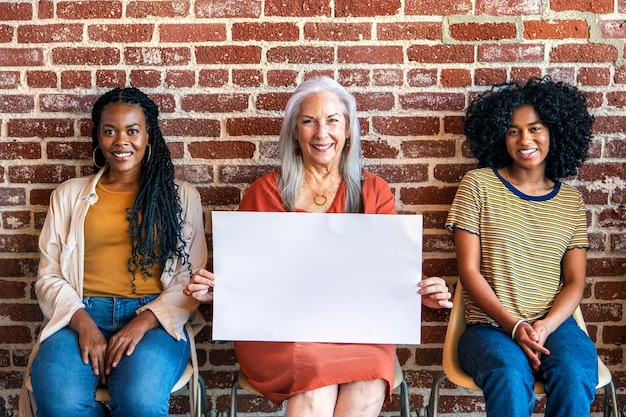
x,y
319,199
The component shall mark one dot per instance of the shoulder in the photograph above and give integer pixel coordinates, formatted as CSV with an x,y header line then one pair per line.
x,y
372,180
187,192
75,186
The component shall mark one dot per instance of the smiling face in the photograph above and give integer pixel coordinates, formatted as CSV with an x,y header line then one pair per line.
x,y
321,130
123,138
527,138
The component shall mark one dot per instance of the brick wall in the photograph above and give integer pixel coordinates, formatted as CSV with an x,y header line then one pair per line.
x,y
221,72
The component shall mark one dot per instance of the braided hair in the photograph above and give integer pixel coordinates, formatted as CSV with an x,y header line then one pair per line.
x,y
155,219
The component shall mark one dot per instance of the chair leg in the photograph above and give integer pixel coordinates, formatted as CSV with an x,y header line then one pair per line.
x,y
610,401
405,406
233,396
203,403
433,403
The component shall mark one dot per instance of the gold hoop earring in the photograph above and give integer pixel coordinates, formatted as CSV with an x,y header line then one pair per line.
x,y
146,161
93,156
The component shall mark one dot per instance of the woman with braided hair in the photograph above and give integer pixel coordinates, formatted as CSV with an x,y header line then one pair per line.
x,y
117,249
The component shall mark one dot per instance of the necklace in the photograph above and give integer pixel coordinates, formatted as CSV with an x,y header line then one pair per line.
x,y
319,199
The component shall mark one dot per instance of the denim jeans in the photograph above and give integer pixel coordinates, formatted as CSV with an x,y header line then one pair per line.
x,y
140,385
500,368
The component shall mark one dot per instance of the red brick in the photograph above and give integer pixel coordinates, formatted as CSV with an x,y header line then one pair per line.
x,y
16,11
593,6
508,8
69,150
586,53
375,101
161,8
409,31
387,77
406,126
620,75
253,126
50,33
421,77
75,79
222,150
15,220
400,173
559,29
451,173
6,33
129,33
429,148
196,174
85,56
10,79
41,79
110,78
247,78
442,54
192,33
301,54
12,197
18,243
378,149
268,31
212,78
613,29
453,124
452,77
145,78
441,8
45,9
183,127
616,148
272,101
242,174
616,99
157,56
338,31
219,103
21,57
281,78
427,195
180,78
370,54
67,103
228,54
165,102
14,334
511,53
609,124
16,104
228,8
22,312
433,101
86,10
20,150
594,76
618,243
43,174
40,197
482,31
26,128
359,8
303,8
489,76
219,196
354,77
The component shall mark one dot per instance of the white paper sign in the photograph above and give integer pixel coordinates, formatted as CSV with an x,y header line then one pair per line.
x,y
311,277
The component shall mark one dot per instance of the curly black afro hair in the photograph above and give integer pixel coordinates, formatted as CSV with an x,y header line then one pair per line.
x,y
561,107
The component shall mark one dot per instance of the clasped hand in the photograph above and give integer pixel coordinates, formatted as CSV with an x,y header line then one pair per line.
x,y
531,340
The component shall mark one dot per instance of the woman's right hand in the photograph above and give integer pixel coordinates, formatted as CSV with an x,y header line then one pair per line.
x,y
93,345
201,286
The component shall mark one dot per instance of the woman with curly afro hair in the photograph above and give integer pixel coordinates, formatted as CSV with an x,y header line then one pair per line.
x,y
521,241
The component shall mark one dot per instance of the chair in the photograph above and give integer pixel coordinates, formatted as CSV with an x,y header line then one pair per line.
x,y
197,392
453,372
240,381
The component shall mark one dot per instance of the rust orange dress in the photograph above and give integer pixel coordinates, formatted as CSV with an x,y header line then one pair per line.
x,y
280,370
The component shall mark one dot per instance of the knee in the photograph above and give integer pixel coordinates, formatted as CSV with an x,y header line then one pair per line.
x,y
369,395
138,404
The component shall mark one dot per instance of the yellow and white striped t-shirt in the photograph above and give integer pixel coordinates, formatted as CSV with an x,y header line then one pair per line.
x,y
523,239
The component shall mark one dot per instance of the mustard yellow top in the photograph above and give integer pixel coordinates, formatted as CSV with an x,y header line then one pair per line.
x,y
108,248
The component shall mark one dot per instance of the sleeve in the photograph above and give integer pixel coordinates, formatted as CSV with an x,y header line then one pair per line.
x,y
377,196
58,284
580,238
263,195
466,207
172,307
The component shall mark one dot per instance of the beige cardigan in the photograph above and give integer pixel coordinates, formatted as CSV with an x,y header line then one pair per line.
x,y
59,284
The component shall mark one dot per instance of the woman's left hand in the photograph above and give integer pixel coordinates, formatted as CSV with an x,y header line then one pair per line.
x,y
123,343
435,293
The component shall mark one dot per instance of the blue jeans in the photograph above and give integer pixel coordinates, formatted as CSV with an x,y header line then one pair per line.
x,y
500,368
140,385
